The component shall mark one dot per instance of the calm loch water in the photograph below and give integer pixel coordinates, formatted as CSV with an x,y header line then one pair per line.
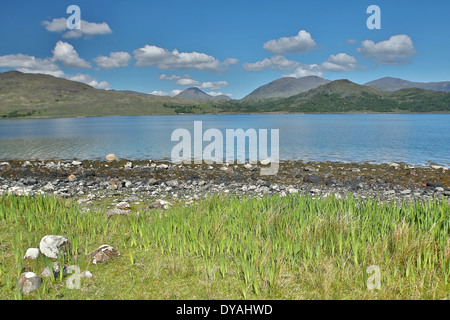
x,y
411,138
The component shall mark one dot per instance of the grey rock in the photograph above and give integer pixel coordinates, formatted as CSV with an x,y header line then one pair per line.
x,y
86,274
29,282
311,179
51,245
5,166
103,254
160,204
32,253
117,212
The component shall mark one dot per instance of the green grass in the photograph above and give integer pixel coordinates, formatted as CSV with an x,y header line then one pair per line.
x,y
293,247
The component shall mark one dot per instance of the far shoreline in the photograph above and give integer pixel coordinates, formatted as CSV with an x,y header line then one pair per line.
x,y
220,114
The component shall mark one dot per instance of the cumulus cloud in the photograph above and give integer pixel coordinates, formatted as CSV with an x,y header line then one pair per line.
x,y
304,70
215,94
340,62
172,77
87,28
67,55
165,59
187,82
299,43
276,62
30,64
396,50
230,61
213,85
165,94
85,78
115,60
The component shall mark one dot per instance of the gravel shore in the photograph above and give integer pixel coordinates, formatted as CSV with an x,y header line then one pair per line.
x,y
147,180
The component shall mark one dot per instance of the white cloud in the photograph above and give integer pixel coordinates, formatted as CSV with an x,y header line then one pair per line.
x,y
166,94
230,61
66,54
340,62
215,94
115,60
85,78
396,50
299,43
30,64
352,41
188,82
56,25
276,62
165,59
172,77
306,70
213,85
87,28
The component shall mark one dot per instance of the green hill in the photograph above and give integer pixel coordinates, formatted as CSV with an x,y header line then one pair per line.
x,y
286,87
47,96
346,96
393,84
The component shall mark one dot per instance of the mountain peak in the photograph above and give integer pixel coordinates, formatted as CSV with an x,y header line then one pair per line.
x,y
393,84
194,93
286,87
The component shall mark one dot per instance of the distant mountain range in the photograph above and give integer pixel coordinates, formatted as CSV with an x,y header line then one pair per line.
x,y
286,87
39,95
197,94
393,84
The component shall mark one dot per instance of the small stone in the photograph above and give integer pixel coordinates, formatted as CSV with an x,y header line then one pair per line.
x,y
76,163
49,187
291,190
29,282
5,166
86,274
103,254
405,192
434,184
111,157
439,189
265,162
172,183
117,212
123,206
51,245
247,166
128,165
26,164
394,165
32,253
160,204
47,272
355,170
311,179
389,192
72,178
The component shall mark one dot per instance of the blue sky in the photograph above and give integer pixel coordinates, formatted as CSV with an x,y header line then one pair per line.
x,y
228,47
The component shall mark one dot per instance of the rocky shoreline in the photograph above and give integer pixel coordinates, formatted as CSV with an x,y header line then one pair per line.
x,y
145,181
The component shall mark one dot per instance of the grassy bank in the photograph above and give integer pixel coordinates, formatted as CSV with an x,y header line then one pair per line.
x,y
293,247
